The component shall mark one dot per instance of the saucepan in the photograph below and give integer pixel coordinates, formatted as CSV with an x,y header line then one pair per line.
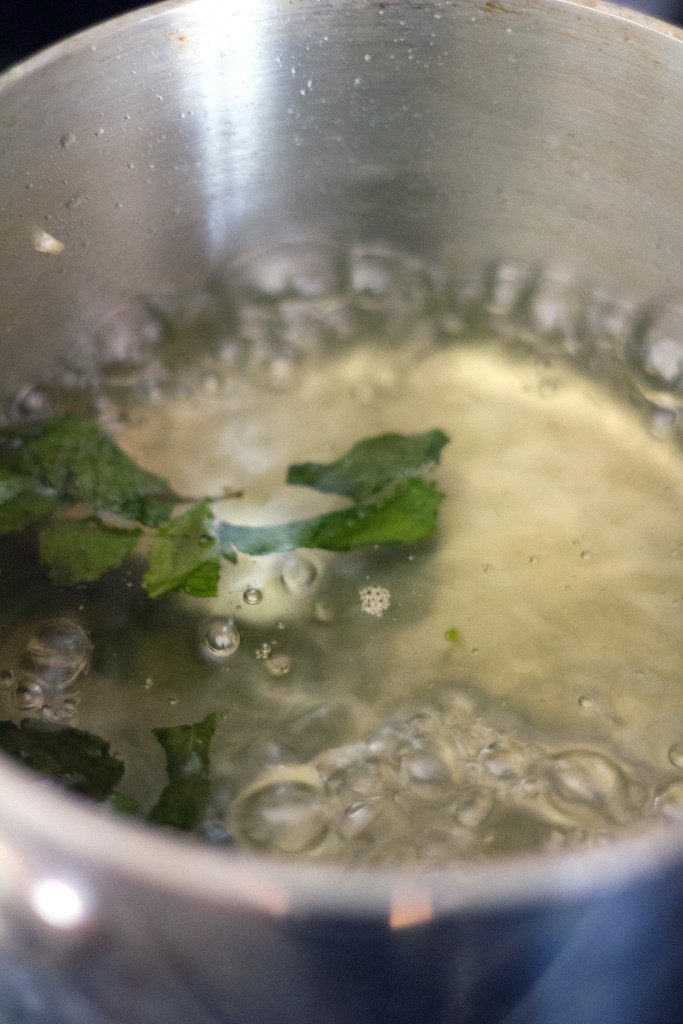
x,y
136,158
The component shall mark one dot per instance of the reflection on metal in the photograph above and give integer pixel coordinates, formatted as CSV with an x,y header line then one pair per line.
x,y
231,89
58,903
410,907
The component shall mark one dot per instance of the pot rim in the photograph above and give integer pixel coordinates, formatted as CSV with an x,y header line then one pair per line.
x,y
92,838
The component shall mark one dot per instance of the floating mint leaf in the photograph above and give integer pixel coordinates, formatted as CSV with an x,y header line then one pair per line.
x,y
82,465
83,550
124,804
452,635
183,802
370,465
184,556
70,756
406,515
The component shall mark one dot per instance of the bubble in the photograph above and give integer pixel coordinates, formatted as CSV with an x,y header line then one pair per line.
x,y
507,288
220,640
586,702
502,762
299,576
474,806
264,650
669,801
6,677
252,596
304,269
588,778
557,311
676,754
287,814
426,776
374,600
28,696
654,354
55,656
355,819
278,665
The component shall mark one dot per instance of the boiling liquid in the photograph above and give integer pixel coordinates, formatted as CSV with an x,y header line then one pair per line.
x,y
354,723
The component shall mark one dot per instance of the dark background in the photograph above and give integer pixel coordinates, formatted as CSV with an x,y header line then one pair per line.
x,y
29,25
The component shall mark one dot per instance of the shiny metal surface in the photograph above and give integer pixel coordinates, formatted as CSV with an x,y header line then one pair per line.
x,y
150,149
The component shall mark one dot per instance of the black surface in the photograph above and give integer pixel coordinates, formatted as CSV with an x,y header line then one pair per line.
x,y
30,25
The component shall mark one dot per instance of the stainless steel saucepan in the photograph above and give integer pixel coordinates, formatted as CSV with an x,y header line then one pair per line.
x,y
133,157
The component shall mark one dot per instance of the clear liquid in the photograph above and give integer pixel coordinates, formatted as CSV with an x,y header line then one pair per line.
x,y
350,726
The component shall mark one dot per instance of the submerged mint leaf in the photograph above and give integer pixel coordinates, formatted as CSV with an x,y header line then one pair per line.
x,y
81,464
124,804
82,550
183,802
371,464
407,515
77,759
24,509
184,556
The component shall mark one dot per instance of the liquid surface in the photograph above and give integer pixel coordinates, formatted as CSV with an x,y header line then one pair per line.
x,y
514,684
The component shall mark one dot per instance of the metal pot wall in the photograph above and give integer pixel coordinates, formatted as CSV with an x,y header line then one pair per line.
x,y
152,147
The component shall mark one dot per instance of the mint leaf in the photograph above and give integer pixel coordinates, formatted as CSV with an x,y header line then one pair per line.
x,y
452,635
371,464
70,756
124,804
83,550
21,511
406,515
184,556
183,802
81,464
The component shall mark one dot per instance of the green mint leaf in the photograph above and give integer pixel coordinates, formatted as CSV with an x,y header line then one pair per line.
x,y
70,756
406,515
184,556
452,635
371,464
124,804
81,464
21,511
83,550
183,802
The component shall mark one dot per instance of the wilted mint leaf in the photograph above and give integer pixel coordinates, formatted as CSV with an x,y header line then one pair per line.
x,y
81,464
70,756
184,556
183,802
83,550
370,465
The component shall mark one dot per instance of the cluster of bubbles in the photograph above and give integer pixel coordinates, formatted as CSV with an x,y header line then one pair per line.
x,y
55,657
436,783
266,314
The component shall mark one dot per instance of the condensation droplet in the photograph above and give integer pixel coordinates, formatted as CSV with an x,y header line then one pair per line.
x,y
252,595
220,640
6,677
67,140
586,702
